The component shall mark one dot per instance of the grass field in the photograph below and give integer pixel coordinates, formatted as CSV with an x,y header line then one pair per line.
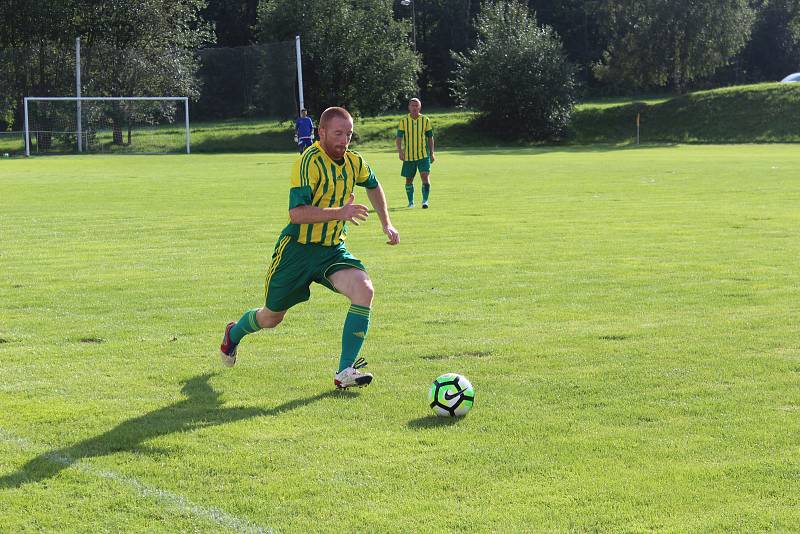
x,y
628,318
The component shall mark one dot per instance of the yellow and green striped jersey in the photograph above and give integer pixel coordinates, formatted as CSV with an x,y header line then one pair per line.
x,y
415,133
319,181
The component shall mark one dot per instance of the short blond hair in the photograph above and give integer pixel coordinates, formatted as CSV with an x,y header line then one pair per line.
x,y
332,113
415,99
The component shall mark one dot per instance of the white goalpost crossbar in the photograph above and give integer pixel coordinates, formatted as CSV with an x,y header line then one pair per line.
x,y
79,99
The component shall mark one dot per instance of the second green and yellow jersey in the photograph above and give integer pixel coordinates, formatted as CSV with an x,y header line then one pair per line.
x,y
415,133
319,181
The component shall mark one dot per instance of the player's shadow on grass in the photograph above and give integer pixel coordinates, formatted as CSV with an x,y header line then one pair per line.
x,y
201,408
431,421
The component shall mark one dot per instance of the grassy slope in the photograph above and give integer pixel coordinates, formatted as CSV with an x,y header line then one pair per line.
x,y
628,318
765,113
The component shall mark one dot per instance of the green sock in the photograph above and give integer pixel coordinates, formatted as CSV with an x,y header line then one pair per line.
x,y
410,193
355,330
426,189
246,325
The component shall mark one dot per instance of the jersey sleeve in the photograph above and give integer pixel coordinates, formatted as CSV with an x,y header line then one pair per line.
x,y
300,190
401,129
365,177
428,128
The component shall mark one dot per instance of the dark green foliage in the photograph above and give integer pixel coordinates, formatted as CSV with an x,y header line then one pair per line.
x,y
129,47
653,43
234,21
517,75
143,47
774,48
355,54
582,29
441,26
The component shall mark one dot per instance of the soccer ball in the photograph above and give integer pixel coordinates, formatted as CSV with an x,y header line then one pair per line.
x,y
451,395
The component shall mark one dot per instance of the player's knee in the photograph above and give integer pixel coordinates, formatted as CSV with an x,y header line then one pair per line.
x,y
364,293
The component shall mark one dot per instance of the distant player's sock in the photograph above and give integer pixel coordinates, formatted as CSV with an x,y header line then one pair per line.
x,y
426,190
410,193
246,325
355,330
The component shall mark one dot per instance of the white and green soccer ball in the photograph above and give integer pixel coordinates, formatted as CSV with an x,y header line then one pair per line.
x,y
451,395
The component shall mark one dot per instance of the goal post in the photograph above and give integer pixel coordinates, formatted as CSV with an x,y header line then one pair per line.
x,y
108,124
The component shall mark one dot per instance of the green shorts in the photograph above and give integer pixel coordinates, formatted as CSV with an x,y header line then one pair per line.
x,y
294,266
410,167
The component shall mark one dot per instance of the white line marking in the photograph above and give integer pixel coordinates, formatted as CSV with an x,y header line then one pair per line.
x,y
167,497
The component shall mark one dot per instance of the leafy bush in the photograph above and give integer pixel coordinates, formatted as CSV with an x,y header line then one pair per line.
x,y
517,76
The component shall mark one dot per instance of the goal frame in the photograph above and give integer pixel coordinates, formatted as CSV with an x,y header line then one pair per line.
x,y
80,99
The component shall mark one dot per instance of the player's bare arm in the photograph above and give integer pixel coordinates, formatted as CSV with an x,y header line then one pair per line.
x,y
398,141
378,201
430,148
350,212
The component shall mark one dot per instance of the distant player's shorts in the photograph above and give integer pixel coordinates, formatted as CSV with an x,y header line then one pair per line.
x,y
303,143
410,167
294,266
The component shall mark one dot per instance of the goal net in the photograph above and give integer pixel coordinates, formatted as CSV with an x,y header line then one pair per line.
x,y
132,125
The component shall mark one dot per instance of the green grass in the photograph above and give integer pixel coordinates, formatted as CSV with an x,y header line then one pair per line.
x,y
628,318
12,143
242,135
764,113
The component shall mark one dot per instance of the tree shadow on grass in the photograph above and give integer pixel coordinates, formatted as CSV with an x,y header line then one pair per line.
x,y
431,421
246,142
201,408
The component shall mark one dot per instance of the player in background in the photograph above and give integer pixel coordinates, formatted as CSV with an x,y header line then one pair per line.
x,y
415,147
311,248
304,131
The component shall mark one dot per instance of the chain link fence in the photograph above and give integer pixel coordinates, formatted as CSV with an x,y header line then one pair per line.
x,y
243,85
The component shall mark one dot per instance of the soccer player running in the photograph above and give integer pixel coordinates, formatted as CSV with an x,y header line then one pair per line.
x,y
415,147
311,248
304,131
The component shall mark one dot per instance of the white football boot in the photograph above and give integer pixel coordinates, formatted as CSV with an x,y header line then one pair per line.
x,y
352,377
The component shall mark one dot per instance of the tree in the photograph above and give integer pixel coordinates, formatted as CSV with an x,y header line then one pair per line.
x,y
441,26
580,28
774,48
517,75
672,42
141,48
130,47
35,58
234,21
354,53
